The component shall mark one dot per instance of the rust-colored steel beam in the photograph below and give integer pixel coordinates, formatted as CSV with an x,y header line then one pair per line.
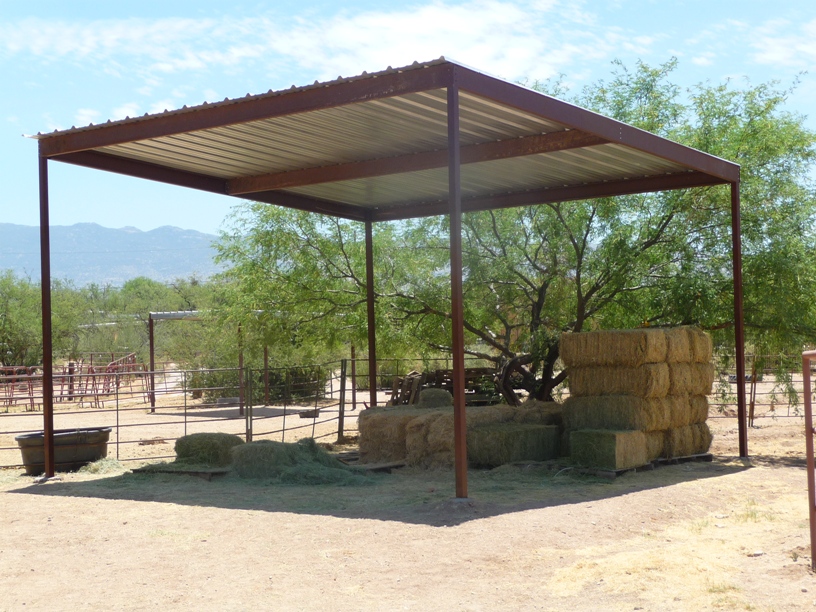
x,y
739,327
145,170
593,123
372,333
252,108
317,205
47,343
807,358
457,308
683,180
427,160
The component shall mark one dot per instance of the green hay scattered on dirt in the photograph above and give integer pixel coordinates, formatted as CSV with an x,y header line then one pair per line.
x,y
206,448
610,450
650,380
302,463
106,465
628,348
500,443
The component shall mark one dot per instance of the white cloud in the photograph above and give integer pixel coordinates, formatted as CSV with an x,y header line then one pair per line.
x,y
84,116
504,37
131,109
704,59
782,43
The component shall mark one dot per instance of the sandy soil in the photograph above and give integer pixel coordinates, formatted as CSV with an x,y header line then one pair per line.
x,y
726,535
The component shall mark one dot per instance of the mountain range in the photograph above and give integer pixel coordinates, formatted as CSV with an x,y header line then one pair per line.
x,y
89,253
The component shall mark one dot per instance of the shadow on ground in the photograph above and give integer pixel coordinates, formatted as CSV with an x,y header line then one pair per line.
x,y
409,496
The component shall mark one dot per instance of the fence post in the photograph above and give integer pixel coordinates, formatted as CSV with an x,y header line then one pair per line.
x,y
248,419
353,380
342,410
811,477
117,415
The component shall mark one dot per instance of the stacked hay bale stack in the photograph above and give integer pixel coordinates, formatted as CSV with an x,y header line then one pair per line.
x,y
421,435
637,395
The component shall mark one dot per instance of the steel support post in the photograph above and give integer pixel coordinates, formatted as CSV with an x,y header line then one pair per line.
x,y
457,309
372,334
811,477
47,344
341,409
241,397
152,347
739,327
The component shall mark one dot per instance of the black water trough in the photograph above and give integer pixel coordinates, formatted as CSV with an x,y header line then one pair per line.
x,y
73,448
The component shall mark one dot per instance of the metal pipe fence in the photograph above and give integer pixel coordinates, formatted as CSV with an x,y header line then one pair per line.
x,y
303,402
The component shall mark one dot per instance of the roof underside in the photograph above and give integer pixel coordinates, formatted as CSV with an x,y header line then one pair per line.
x,y
375,147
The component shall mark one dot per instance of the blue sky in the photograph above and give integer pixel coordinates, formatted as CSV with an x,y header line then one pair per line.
x,y
72,63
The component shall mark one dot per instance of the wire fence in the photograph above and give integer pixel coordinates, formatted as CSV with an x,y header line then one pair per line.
x,y
148,411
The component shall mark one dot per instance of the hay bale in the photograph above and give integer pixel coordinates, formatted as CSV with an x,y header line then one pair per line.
x,y
382,433
649,380
496,444
617,412
610,450
536,411
678,348
704,375
434,398
416,437
691,378
213,449
432,444
655,444
302,462
702,349
631,348
690,440
698,409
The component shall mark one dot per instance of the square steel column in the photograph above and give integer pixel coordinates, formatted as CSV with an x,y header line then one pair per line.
x,y
457,310
372,334
739,326
47,344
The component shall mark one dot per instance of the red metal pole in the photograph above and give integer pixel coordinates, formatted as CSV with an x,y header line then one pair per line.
x,y
739,327
152,347
353,379
372,334
811,478
241,371
457,309
47,344
266,375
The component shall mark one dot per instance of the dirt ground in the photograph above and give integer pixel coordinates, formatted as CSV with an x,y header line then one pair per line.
x,y
725,535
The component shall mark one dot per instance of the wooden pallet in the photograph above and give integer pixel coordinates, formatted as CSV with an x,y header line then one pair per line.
x,y
205,473
612,474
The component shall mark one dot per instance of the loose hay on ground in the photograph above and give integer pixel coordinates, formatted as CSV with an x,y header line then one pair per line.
x,y
302,462
207,448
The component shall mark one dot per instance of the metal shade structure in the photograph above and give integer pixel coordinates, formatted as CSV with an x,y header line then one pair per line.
x,y
433,138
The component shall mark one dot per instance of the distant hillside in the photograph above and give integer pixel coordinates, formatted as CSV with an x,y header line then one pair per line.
x,y
89,253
